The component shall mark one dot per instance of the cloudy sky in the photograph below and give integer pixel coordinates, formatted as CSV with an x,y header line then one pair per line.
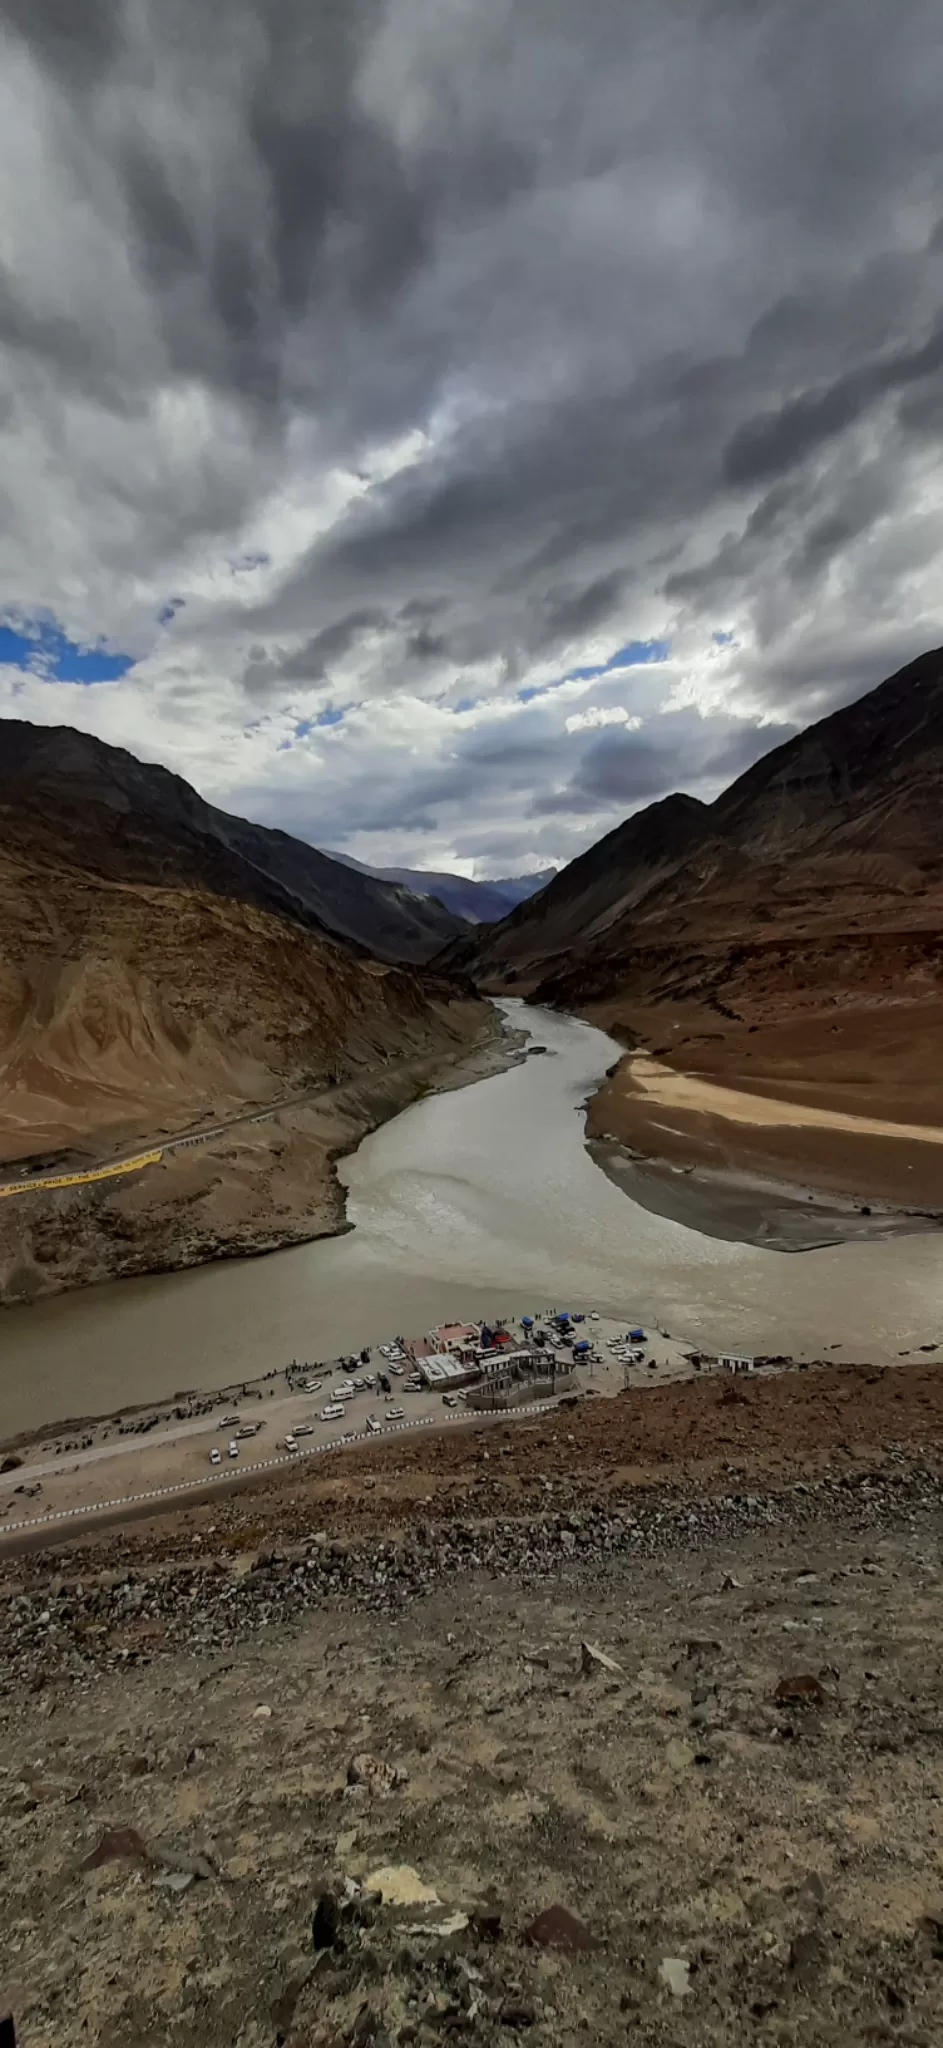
x,y
441,426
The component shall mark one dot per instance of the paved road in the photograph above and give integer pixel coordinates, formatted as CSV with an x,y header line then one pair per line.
x,y
133,1161
278,1418
116,1510
119,1447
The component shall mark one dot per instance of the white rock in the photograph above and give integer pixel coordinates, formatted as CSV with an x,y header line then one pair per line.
x,y
593,1659
676,1973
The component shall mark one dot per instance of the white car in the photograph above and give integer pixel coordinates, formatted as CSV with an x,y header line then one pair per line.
x,y
230,1421
304,1429
372,1424
594,1315
333,1412
215,1456
290,1444
234,1450
395,1414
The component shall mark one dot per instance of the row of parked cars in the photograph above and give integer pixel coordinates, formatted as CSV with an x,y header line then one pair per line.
x,y
242,1430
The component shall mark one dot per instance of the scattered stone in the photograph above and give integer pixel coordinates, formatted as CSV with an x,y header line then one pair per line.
x,y
676,1974
729,1584
326,1923
369,1774
261,1713
812,1891
487,1923
181,1861
513,2014
806,1955
176,1880
556,1927
678,1755
593,1659
802,1691
444,1929
398,1884
115,1844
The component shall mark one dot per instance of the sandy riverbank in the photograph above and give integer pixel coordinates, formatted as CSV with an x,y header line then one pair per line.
x,y
771,1136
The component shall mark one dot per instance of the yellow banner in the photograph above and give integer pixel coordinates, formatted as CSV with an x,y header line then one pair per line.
x,y
77,1180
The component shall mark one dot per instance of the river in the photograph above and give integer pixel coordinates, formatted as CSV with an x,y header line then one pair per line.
x,y
480,1201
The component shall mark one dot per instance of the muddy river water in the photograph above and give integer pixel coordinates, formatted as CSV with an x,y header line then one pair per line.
x,y
481,1201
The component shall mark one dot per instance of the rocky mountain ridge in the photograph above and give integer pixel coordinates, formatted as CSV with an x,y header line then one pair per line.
x,y
836,830
476,902
65,796
165,968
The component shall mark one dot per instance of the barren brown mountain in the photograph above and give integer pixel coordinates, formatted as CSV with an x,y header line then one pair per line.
x,y
785,941
164,968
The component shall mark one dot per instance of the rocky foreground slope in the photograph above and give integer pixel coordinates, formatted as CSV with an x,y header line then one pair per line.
x,y
364,1784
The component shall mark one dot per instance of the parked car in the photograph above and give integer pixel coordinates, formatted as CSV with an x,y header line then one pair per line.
x,y
395,1414
333,1412
290,1444
229,1421
304,1429
215,1456
234,1450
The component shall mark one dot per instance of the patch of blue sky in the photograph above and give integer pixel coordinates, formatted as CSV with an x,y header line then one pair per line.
x,y
722,639
635,654
41,648
332,714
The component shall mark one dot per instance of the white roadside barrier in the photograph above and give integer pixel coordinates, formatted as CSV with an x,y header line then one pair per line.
x,y
340,1443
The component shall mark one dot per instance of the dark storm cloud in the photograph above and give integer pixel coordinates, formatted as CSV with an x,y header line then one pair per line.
x,y
73,36
576,612
620,321
777,441
619,770
314,660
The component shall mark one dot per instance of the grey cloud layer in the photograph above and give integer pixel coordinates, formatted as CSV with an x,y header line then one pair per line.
x,y
651,298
